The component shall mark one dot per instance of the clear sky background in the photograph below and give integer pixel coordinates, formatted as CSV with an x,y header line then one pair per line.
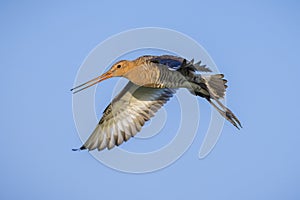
x,y
255,44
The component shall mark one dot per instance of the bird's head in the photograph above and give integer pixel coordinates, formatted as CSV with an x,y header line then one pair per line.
x,y
118,69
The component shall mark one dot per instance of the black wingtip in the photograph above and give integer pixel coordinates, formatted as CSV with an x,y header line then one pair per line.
x,y
75,149
79,149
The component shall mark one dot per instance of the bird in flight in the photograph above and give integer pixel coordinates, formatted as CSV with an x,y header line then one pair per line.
x,y
153,80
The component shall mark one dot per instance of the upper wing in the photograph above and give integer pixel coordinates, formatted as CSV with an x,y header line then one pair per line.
x,y
126,115
172,62
175,62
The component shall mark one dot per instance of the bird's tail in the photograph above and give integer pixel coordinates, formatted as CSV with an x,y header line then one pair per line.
x,y
213,88
216,85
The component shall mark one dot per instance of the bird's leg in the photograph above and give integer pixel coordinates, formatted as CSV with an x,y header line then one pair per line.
x,y
227,114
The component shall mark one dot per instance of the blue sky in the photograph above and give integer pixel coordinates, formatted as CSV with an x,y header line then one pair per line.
x,y
254,43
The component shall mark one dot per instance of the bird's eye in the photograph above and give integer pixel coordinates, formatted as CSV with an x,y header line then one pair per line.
x,y
118,66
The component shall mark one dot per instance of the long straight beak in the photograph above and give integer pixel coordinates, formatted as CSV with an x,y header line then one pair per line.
x,y
91,82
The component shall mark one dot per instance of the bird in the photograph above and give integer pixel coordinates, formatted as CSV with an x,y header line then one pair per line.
x,y
153,80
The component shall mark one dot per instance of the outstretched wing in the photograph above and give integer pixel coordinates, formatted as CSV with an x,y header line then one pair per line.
x,y
126,114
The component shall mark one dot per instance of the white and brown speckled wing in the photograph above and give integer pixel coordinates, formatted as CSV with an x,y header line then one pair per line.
x,y
126,114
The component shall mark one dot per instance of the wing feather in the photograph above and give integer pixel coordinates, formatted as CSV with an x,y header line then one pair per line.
x,y
175,63
126,114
